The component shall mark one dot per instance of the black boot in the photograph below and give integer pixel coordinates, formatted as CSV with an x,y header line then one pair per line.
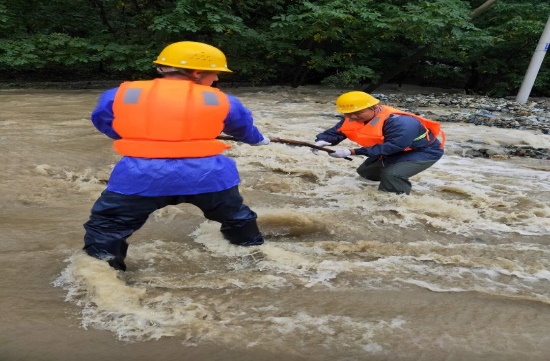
x,y
242,232
115,262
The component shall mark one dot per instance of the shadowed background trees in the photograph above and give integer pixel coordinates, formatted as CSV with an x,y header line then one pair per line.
x,y
483,46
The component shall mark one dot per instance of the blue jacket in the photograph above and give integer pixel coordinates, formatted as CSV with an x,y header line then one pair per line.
x,y
399,133
179,176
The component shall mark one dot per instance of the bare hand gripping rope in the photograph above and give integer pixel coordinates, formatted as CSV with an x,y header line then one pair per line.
x,y
289,142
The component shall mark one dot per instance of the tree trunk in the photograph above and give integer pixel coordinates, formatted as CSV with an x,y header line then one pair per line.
x,y
103,15
481,9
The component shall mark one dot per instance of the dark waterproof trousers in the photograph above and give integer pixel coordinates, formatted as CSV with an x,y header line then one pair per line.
x,y
393,178
115,217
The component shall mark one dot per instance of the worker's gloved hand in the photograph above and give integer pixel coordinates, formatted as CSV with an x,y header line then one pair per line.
x,y
264,141
319,143
340,153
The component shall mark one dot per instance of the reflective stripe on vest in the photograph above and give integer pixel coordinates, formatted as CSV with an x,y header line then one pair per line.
x,y
371,133
169,118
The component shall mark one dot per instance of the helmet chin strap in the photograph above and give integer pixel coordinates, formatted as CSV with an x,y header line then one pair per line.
x,y
170,70
166,70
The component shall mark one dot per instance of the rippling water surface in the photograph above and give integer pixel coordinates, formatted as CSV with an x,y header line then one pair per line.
x,y
458,270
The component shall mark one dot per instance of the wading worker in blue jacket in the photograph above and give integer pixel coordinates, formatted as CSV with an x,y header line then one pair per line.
x,y
166,131
398,144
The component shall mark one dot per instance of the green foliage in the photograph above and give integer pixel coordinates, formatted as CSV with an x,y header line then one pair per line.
x,y
4,19
332,42
515,28
325,39
349,77
192,17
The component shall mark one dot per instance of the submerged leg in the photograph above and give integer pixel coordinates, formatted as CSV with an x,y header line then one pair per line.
x,y
243,232
238,221
114,218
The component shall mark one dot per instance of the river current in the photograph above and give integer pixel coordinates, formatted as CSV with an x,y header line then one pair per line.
x,y
458,270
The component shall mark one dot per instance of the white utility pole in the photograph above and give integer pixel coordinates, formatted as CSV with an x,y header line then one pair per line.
x,y
534,65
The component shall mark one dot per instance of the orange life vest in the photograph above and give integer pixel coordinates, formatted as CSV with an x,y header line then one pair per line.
x,y
169,118
370,134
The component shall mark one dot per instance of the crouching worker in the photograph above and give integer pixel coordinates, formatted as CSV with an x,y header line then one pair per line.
x,y
398,144
166,130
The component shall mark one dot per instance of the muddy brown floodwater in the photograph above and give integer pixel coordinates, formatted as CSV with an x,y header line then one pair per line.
x,y
458,270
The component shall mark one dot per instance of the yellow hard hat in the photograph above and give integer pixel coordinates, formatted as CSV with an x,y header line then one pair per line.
x,y
193,55
354,101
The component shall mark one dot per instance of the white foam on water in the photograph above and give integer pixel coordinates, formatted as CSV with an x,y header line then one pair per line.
x,y
144,305
327,232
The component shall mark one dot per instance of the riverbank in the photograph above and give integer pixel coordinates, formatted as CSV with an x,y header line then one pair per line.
x,y
533,116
